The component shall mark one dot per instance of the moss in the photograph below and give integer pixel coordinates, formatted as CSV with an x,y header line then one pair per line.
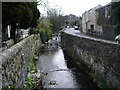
x,y
100,83
19,39
4,44
10,86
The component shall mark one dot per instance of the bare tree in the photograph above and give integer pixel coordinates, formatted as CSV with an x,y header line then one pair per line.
x,y
56,18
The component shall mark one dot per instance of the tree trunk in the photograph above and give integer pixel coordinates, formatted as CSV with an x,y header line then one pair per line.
x,y
12,32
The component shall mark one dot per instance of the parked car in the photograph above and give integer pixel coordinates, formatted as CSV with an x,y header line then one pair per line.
x,y
76,27
117,39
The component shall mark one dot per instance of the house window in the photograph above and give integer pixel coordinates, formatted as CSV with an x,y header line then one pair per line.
x,y
106,12
92,27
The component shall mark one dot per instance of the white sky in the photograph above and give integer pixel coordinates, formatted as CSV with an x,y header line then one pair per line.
x,y
76,7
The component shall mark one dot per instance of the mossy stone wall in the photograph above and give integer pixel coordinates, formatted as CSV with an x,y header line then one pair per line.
x,y
102,57
15,60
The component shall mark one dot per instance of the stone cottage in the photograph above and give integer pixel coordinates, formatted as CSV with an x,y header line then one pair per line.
x,y
98,22
107,29
89,20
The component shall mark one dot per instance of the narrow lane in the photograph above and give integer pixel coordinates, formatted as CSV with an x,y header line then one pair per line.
x,y
80,34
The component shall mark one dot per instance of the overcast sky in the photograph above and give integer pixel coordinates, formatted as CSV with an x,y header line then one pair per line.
x,y
76,7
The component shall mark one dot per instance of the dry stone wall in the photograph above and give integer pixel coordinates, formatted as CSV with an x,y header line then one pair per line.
x,y
15,60
8,44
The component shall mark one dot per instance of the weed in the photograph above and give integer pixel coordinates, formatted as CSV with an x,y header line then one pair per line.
x,y
29,83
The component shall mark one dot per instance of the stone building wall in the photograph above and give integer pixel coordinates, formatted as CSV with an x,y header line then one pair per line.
x,y
15,60
100,56
89,20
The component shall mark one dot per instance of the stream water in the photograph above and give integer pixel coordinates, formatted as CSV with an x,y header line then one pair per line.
x,y
56,72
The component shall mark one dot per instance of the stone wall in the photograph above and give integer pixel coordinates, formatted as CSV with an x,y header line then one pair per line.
x,y
6,45
110,32
100,56
15,59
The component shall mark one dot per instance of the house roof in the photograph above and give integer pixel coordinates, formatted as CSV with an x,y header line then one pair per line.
x,y
96,7
103,6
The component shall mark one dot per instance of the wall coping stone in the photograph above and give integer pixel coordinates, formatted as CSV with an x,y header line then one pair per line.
x,y
91,38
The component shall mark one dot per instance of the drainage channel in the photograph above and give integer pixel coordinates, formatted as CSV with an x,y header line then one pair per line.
x,y
56,74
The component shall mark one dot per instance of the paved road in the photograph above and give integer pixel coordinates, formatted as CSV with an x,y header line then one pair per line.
x,y
74,32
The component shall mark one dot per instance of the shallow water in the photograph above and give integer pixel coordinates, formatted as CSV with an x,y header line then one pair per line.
x,y
56,73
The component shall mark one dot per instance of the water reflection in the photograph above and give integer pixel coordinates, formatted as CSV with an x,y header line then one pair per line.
x,y
54,69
